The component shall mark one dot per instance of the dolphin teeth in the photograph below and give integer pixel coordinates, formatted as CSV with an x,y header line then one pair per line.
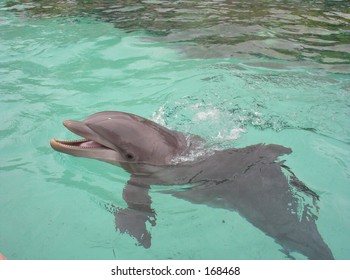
x,y
81,143
91,144
71,142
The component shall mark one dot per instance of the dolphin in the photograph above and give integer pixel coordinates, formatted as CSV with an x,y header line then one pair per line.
x,y
249,180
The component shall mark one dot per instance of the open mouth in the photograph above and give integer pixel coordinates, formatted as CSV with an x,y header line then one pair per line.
x,y
82,130
90,145
76,144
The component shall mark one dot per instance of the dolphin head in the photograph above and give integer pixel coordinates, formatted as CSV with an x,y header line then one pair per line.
x,y
122,139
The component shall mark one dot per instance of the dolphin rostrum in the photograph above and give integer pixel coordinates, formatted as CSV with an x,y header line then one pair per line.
x,y
248,180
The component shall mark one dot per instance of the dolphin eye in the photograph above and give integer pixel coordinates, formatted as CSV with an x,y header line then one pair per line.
x,y
129,156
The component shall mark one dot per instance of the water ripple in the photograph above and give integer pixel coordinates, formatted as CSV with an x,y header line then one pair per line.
x,y
312,31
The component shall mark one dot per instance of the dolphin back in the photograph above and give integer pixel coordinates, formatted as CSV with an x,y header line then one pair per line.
x,y
265,192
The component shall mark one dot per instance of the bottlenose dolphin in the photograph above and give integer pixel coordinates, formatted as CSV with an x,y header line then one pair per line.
x,y
248,180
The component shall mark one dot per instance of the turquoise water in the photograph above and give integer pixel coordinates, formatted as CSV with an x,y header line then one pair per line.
x,y
291,90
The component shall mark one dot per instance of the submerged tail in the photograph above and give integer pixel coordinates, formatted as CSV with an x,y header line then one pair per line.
x,y
305,238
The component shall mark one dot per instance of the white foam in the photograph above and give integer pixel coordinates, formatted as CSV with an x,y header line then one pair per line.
x,y
158,116
195,150
193,155
234,134
209,114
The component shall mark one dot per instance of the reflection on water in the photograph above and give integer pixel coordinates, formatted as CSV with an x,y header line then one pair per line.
x,y
314,32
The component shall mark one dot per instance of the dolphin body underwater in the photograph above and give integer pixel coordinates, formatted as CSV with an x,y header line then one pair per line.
x,y
248,180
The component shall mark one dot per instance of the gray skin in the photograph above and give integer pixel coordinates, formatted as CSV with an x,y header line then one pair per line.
x,y
249,180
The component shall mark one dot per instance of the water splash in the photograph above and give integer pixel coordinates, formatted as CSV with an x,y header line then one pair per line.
x,y
216,124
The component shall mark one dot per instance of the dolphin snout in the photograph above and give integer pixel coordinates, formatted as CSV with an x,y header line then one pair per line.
x,y
71,124
79,128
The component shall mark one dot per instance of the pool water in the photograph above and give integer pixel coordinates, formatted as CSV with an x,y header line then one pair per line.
x,y
239,81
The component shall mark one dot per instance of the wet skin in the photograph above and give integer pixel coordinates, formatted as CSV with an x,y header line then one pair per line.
x,y
248,180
